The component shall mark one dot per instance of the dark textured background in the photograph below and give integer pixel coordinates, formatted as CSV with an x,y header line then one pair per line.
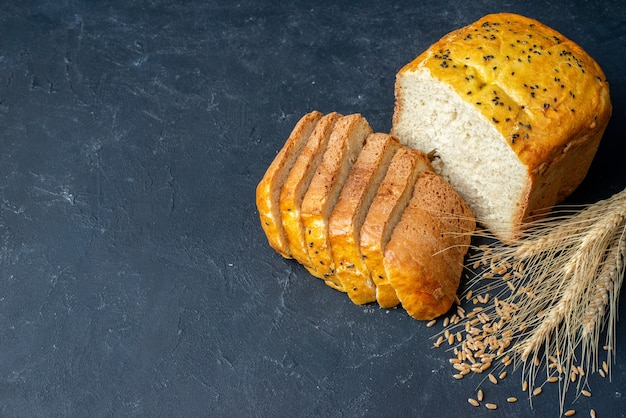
x,y
135,279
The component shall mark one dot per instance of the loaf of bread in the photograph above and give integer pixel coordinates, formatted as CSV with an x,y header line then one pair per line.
x,y
514,110
347,202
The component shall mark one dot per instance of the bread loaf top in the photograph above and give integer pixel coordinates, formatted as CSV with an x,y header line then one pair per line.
x,y
539,88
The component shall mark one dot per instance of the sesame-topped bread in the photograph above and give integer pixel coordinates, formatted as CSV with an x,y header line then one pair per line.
x,y
514,110
345,144
423,259
297,183
384,213
344,224
269,188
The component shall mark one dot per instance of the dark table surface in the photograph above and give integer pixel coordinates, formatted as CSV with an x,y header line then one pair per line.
x,y
135,279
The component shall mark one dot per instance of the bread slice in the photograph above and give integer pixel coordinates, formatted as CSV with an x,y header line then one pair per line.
x,y
297,183
384,213
346,219
269,188
423,259
345,144
515,111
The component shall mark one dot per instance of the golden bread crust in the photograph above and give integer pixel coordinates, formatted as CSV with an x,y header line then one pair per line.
x,y
344,225
269,188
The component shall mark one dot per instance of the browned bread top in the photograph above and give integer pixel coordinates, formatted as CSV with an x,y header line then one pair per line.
x,y
538,87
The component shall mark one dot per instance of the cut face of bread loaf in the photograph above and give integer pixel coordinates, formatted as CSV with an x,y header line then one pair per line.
x,y
384,213
344,225
423,259
269,188
514,110
345,144
297,184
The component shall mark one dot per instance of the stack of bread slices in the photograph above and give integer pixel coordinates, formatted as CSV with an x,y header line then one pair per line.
x,y
366,214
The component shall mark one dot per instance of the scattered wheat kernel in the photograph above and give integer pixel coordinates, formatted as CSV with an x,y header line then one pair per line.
x,y
602,373
492,379
553,379
592,413
605,367
459,336
524,386
570,413
451,339
431,323
457,376
511,399
586,393
446,333
469,295
491,406
502,375
473,401
480,395
537,391
607,348
439,341
573,376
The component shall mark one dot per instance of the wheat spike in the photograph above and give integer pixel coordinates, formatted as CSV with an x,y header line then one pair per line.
x,y
554,291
